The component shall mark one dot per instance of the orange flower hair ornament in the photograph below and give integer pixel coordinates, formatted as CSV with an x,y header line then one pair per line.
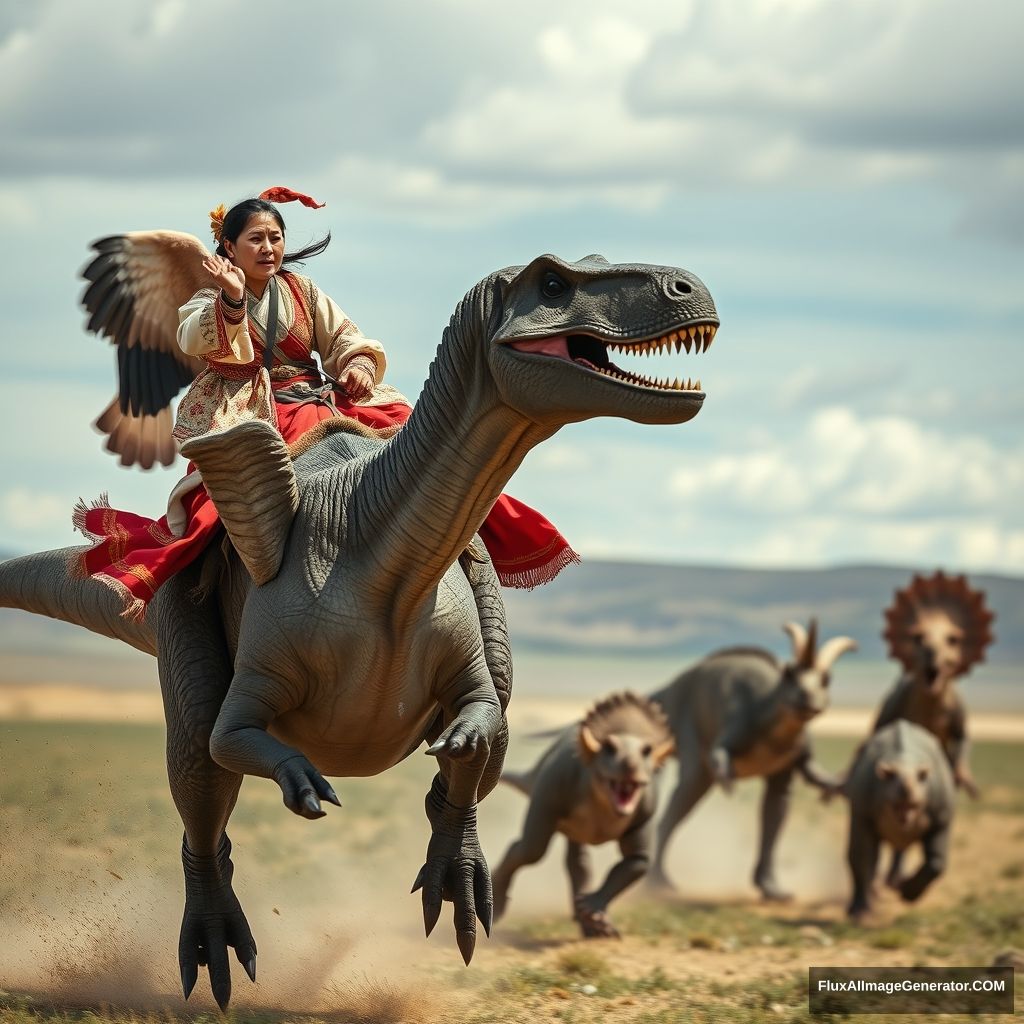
x,y
275,194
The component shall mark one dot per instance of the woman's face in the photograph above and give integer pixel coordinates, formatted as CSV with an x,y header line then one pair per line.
x,y
259,249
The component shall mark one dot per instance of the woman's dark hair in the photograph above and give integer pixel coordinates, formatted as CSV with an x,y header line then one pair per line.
x,y
238,216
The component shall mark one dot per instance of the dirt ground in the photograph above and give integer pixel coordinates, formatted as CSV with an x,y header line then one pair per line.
x,y
90,894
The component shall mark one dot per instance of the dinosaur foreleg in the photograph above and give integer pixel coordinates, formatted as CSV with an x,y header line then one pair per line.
x,y
774,809
894,876
241,743
936,853
694,781
455,867
862,855
577,863
194,673
592,908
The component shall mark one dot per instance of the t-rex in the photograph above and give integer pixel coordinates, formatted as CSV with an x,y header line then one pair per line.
x,y
901,791
595,784
742,713
365,636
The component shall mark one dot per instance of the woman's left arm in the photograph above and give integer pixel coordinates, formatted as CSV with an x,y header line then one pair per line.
x,y
348,355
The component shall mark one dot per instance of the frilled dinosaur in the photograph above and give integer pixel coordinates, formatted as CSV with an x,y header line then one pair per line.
x,y
368,637
901,792
595,784
742,713
938,628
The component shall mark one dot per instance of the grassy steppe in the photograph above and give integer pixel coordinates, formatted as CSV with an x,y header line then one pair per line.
x,y
90,901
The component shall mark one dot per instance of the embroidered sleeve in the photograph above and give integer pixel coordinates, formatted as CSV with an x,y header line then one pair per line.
x,y
337,339
208,327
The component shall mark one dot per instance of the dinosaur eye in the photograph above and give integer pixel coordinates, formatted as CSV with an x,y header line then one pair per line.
x,y
607,748
953,639
647,750
552,286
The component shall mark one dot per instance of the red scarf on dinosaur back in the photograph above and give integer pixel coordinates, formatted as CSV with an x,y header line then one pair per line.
x,y
134,555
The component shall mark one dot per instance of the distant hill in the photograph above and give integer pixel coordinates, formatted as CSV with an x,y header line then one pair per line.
x,y
600,608
629,608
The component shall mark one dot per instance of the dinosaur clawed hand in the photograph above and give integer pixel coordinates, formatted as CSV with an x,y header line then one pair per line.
x,y
303,787
455,870
463,740
721,768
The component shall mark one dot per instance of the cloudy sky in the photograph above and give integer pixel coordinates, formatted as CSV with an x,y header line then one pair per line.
x,y
847,179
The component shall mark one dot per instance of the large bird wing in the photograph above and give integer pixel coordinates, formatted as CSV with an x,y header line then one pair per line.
x,y
137,282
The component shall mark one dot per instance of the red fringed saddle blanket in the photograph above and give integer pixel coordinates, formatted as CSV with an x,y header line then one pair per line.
x,y
135,555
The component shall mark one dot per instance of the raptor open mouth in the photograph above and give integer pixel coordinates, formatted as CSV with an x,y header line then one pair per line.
x,y
592,353
625,794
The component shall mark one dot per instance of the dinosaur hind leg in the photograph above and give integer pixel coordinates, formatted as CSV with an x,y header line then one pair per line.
x,y
195,670
774,809
694,781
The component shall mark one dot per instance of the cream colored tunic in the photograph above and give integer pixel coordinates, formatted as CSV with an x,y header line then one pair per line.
x,y
235,386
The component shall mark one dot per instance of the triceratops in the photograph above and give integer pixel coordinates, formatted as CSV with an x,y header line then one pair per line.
x,y
741,713
369,637
938,628
595,784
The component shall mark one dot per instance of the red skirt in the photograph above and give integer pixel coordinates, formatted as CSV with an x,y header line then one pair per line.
x,y
135,555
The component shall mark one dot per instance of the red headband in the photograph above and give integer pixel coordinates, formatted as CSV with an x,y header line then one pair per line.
x,y
280,194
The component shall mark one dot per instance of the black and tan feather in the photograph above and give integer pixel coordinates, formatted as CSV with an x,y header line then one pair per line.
x,y
136,284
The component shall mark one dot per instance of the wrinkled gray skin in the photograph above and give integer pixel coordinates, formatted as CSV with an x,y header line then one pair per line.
x,y
371,638
741,713
901,792
593,787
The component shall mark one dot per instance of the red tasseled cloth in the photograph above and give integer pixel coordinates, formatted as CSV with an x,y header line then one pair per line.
x,y
135,555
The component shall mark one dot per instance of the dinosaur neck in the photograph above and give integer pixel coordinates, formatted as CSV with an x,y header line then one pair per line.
x,y
428,491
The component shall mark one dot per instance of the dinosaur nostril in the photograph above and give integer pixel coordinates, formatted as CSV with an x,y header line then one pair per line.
x,y
677,288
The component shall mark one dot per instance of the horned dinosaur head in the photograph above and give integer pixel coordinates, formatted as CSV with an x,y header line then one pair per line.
x,y
805,679
624,739
939,628
575,340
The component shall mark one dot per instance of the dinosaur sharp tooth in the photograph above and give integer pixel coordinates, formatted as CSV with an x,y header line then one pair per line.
x,y
676,386
698,384
674,336
692,332
679,345
687,343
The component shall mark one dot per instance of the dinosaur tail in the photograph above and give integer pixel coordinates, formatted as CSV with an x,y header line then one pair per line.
x,y
518,780
47,584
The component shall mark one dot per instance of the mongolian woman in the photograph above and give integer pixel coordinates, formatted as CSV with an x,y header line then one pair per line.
x,y
255,325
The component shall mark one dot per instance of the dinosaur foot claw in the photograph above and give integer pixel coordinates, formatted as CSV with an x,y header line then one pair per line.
x,y
213,921
303,787
456,871
597,925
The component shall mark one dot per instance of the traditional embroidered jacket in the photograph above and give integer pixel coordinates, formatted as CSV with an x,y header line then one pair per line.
x,y
236,386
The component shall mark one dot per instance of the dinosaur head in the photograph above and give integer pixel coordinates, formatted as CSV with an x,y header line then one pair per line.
x,y
804,686
624,740
938,627
904,789
576,340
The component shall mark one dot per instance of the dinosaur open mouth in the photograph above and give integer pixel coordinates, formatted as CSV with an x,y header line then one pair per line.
x,y
593,353
625,794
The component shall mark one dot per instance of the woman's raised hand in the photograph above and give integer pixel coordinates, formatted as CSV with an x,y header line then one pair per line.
x,y
226,276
